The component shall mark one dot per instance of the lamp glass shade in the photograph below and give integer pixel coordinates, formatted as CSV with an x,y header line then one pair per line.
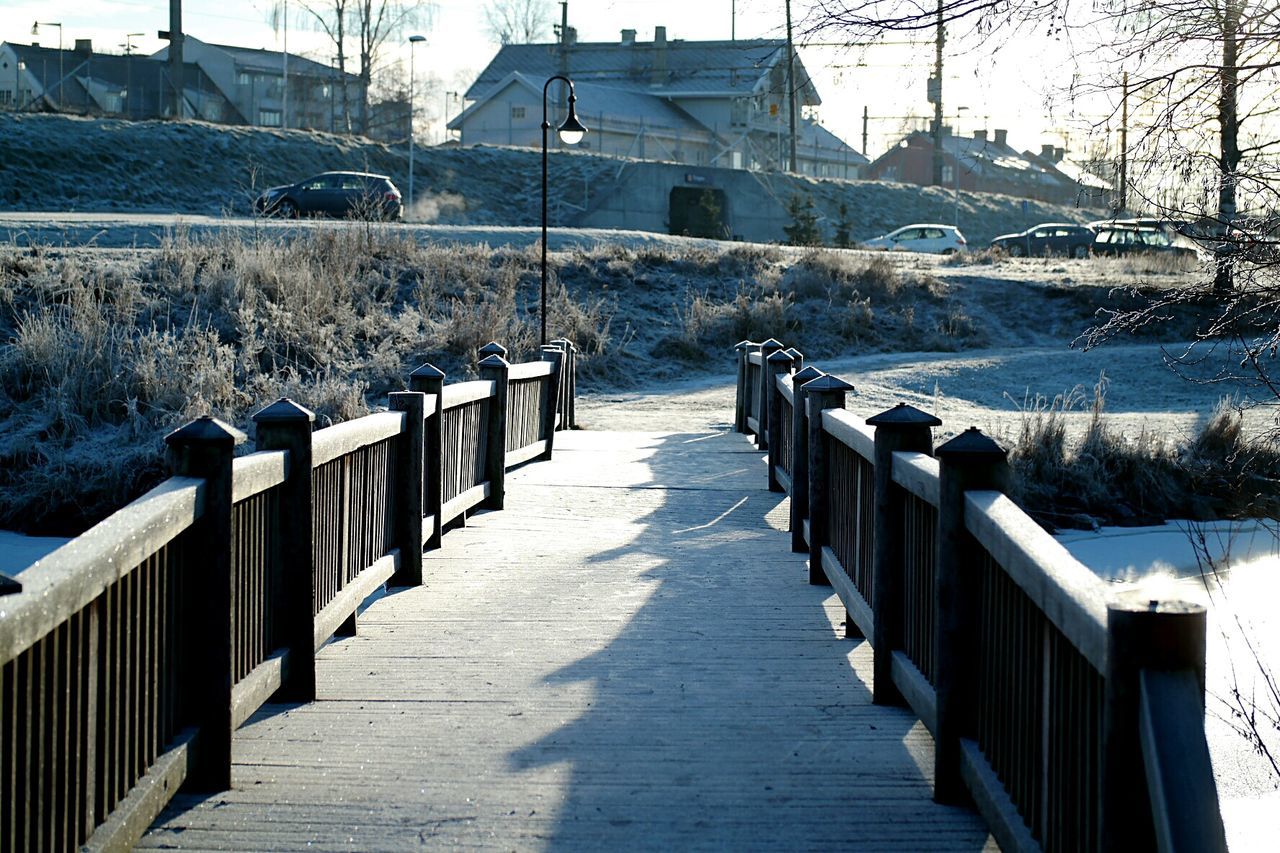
x,y
572,131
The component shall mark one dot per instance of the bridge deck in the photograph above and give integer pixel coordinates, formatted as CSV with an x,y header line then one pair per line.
x,y
627,657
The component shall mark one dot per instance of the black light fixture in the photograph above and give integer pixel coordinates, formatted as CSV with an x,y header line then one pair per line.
x,y
571,132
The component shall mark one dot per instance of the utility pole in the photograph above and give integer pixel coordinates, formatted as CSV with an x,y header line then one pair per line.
x,y
1123,201
864,132
733,20
175,55
935,96
791,87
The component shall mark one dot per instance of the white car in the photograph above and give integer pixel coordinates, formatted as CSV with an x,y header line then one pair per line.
x,y
939,239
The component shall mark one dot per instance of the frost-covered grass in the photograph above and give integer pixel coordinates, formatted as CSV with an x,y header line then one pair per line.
x,y
1109,477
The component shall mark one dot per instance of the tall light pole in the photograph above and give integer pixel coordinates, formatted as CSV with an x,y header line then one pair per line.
x,y
571,132
956,167
128,70
35,31
414,41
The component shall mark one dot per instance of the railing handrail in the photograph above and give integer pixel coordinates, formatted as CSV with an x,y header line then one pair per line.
x,y
68,579
530,370
257,472
918,474
342,439
1053,701
844,427
1063,588
462,393
257,606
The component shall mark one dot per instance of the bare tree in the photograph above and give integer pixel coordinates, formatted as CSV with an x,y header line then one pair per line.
x,y
517,21
372,25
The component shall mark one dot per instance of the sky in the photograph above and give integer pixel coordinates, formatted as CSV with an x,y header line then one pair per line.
x,y
1001,83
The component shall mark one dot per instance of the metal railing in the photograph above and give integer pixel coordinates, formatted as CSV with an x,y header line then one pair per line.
x,y
129,655
1072,717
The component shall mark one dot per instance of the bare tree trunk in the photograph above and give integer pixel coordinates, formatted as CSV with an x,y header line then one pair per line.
x,y
1228,118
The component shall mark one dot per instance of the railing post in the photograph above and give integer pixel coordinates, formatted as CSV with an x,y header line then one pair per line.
x,y
429,380
799,509
761,391
1150,634
968,461
204,448
797,358
496,368
901,428
741,397
284,425
569,384
825,392
778,364
558,359
409,476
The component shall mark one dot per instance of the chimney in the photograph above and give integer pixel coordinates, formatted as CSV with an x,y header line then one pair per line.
x,y
629,37
1002,137
980,135
84,46
1046,152
1058,154
658,75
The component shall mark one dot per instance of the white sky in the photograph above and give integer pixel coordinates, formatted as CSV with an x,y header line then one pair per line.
x,y
1000,91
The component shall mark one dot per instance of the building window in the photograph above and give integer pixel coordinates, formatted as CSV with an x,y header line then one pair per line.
x,y
948,174
6,97
739,109
517,112
269,118
244,78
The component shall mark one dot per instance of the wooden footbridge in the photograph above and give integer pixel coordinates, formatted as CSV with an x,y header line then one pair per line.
x,y
634,652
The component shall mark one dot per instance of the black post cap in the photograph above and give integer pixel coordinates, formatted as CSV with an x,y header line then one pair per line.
x,y
771,345
494,360
493,348
779,356
972,445
746,344
827,382
806,374
206,430
427,371
284,410
903,415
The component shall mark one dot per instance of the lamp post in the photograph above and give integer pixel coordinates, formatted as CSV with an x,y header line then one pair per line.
x,y
571,132
955,219
414,41
128,70
35,31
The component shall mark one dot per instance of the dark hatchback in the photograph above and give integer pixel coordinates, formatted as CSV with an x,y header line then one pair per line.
x,y
358,195
1051,238
1138,240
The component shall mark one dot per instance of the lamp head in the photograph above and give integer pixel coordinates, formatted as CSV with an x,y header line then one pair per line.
x,y
35,28
416,39
572,130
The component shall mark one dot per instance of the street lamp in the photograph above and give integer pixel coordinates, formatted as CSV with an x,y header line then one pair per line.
x,y
35,31
571,132
413,42
128,70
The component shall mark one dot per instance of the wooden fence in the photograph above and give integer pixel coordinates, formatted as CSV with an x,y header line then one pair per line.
x,y
1073,718
129,656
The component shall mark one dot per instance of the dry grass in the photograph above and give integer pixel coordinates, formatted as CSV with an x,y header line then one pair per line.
x,y
100,360
1106,477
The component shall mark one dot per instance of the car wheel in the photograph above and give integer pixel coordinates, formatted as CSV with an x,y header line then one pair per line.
x,y
1081,251
1016,250
948,251
287,209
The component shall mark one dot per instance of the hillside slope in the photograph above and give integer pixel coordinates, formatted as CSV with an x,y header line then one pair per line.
x,y
64,163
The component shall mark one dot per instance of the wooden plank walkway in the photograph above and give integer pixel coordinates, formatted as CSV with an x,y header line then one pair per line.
x,y
627,657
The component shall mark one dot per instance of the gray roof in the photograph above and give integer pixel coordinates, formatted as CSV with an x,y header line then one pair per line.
x,y
259,59
596,99
722,68
985,157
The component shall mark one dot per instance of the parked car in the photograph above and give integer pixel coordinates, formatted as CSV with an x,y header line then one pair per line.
x,y
343,194
1139,239
939,239
1050,238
